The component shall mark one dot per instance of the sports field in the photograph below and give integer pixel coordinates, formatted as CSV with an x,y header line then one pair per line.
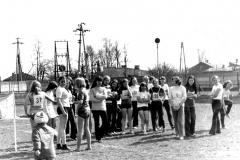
x,y
223,146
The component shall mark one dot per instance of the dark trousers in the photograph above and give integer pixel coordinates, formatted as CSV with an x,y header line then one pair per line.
x,y
167,108
71,121
190,120
216,107
222,116
156,107
135,114
100,130
119,118
112,116
229,104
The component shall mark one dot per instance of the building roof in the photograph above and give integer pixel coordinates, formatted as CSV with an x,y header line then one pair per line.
x,y
25,77
200,67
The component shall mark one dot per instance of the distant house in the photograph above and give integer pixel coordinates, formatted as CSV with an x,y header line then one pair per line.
x,y
200,67
25,77
125,72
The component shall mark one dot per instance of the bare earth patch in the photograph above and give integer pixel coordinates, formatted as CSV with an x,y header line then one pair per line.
x,y
138,147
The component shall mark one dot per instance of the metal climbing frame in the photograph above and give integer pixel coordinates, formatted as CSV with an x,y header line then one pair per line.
x,y
61,68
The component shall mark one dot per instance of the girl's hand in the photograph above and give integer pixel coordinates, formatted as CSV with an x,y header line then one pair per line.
x,y
37,152
64,114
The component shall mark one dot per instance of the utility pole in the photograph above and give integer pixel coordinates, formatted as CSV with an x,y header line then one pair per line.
x,y
183,54
81,37
18,62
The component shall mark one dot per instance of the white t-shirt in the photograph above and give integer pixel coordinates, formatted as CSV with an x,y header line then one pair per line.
x,y
214,89
134,90
226,93
177,93
37,101
64,96
166,89
143,95
49,105
101,105
150,85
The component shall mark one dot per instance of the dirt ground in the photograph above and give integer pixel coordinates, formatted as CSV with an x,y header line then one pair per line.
x,y
138,146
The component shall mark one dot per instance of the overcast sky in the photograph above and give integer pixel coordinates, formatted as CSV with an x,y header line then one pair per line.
x,y
213,26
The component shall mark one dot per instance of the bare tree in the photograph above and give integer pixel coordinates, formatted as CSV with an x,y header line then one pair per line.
x,y
109,52
117,54
46,68
102,57
165,69
93,57
125,59
37,55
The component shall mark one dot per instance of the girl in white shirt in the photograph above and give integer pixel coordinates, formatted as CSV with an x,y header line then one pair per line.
x,y
50,90
177,97
63,101
166,105
216,95
143,99
98,96
134,88
226,102
36,98
226,93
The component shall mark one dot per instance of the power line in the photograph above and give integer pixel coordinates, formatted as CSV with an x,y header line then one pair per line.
x,y
81,38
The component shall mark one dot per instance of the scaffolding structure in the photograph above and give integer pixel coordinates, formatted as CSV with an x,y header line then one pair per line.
x,y
62,66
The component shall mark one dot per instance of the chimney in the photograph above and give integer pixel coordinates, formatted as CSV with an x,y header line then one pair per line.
x,y
137,67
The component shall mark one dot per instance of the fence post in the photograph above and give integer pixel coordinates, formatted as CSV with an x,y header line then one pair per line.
x,y
209,85
237,81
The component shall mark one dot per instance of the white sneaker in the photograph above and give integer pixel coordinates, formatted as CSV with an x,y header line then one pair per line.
x,y
123,133
228,116
181,138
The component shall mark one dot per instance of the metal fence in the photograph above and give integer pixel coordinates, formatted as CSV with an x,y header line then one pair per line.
x,y
15,86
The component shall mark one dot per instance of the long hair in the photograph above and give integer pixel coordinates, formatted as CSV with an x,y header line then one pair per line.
x,y
143,84
87,83
60,78
130,82
105,78
111,84
52,85
177,80
80,82
226,82
98,78
121,86
193,85
34,84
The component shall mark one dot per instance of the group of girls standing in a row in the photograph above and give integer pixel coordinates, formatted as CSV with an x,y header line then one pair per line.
x,y
105,98
149,96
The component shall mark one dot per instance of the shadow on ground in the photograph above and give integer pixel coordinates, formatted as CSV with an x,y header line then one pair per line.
x,y
18,155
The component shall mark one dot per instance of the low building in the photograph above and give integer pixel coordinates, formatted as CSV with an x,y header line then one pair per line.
x,y
125,72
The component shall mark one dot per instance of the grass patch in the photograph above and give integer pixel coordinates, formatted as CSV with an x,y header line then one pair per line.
x,y
151,146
